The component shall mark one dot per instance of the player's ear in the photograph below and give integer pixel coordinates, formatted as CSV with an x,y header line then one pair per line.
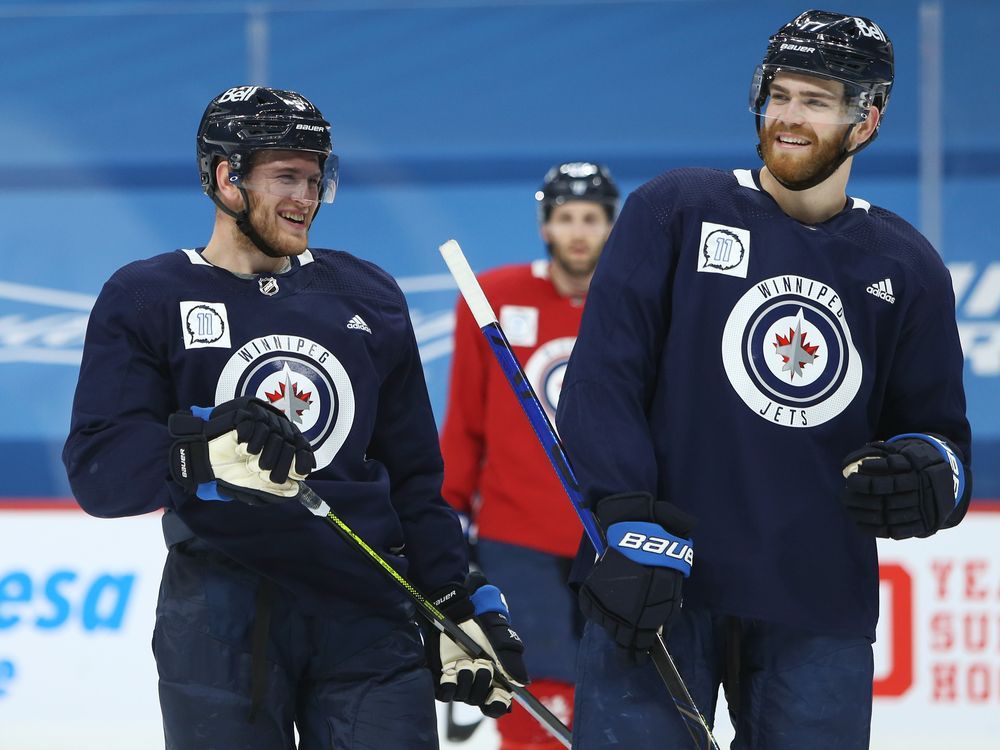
x,y
227,192
865,129
543,231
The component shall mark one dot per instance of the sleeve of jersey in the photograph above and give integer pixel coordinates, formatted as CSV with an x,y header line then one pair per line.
x,y
925,393
462,436
116,452
405,441
602,414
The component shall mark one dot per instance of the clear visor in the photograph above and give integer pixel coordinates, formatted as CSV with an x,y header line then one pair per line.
x,y
304,184
796,95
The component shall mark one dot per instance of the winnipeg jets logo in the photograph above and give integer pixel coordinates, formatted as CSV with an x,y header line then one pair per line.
x,y
795,351
288,398
302,379
545,370
788,352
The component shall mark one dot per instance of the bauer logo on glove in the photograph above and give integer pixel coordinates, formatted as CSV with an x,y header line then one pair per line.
x,y
243,449
649,544
479,609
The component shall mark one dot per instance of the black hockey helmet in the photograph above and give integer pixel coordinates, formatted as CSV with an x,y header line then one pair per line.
x,y
577,181
245,119
849,49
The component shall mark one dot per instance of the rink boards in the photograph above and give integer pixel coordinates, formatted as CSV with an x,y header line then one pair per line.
x,y
77,597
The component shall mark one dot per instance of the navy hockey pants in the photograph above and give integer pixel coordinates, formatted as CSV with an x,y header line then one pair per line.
x,y
543,609
796,690
355,686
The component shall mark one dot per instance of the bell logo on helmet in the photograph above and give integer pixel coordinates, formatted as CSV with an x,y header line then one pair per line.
x,y
238,94
869,29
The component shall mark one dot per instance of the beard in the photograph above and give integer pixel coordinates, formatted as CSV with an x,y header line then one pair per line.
x,y
798,169
578,267
265,222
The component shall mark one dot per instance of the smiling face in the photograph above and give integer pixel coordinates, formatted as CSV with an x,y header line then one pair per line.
x,y
283,190
803,126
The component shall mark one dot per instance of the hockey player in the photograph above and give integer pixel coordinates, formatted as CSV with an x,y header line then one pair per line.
x,y
750,339
213,381
495,471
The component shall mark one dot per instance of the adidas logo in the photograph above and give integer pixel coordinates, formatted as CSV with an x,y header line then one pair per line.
x,y
882,290
358,324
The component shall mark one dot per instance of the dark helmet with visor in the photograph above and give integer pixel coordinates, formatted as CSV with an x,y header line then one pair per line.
x,y
850,50
246,119
577,181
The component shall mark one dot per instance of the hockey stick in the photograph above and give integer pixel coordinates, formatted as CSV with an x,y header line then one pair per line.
x,y
456,731
532,705
468,285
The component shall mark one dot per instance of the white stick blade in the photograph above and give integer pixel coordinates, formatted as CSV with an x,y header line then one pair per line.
x,y
468,285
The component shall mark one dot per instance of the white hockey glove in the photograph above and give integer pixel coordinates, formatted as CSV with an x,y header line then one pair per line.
x,y
243,449
479,609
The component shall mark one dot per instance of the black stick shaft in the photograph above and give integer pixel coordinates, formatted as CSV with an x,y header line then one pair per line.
x,y
531,704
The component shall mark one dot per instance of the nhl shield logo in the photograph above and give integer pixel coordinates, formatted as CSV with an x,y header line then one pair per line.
x,y
268,285
788,352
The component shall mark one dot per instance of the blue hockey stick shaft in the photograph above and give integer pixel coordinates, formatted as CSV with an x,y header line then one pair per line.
x,y
474,297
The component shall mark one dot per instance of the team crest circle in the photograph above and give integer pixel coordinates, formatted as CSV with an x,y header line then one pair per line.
x,y
546,368
300,378
788,352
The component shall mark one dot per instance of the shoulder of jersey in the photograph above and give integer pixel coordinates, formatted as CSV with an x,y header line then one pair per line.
x,y
896,238
155,270
347,273
686,185
511,276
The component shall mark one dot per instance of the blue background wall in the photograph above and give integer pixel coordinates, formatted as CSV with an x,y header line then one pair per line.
x,y
445,116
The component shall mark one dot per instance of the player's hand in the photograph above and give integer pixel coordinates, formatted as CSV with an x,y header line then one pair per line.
x,y
634,589
243,449
480,610
903,487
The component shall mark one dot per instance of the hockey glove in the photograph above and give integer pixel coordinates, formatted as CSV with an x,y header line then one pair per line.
x,y
904,487
634,589
480,610
243,449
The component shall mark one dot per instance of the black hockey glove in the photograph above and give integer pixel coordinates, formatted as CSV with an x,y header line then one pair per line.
x,y
904,487
243,449
480,610
634,589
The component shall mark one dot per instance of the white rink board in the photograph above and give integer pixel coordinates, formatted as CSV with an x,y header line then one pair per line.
x,y
78,641
77,599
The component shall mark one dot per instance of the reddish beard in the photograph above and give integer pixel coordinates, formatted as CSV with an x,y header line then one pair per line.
x,y
266,224
794,168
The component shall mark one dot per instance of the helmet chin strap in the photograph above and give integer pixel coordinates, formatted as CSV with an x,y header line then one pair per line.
x,y
246,226
824,173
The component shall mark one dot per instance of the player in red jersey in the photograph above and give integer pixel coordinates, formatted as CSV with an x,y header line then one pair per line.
x,y
495,471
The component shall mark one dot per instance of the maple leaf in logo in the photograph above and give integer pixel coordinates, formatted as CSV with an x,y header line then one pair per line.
x,y
794,350
289,399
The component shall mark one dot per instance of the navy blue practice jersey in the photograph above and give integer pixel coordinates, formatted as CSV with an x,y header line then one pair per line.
x,y
730,357
330,344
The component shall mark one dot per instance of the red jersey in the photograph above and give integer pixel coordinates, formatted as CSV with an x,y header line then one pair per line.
x,y
495,468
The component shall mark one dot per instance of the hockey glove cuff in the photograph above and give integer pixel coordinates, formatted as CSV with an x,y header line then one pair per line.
x,y
479,609
634,588
243,449
909,485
